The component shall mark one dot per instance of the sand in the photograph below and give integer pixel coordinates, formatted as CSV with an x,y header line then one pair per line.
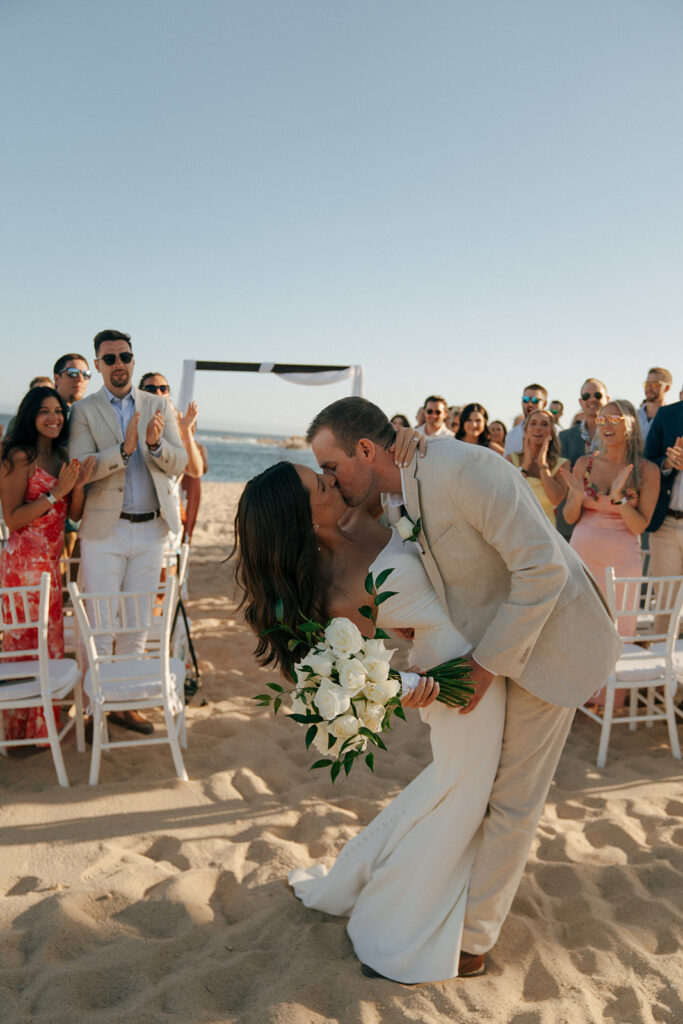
x,y
148,900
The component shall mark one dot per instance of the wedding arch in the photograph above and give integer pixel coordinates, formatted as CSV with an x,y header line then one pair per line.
x,y
293,372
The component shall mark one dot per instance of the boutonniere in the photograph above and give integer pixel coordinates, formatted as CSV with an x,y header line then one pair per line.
x,y
408,530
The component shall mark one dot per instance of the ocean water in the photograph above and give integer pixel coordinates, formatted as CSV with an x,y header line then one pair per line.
x,y
236,457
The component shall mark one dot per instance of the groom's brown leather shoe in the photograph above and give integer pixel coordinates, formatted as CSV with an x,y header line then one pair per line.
x,y
471,965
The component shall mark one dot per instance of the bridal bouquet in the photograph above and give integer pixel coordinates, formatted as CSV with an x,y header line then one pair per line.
x,y
345,691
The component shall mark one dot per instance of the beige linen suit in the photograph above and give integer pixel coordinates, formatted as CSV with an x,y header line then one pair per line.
x,y
521,596
94,429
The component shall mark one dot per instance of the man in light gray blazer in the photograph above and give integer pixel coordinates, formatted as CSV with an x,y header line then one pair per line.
x,y
129,507
517,592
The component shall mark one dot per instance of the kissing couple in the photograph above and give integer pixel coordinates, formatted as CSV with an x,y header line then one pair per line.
x,y
428,884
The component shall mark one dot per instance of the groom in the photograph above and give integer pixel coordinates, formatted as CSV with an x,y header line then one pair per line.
x,y
517,592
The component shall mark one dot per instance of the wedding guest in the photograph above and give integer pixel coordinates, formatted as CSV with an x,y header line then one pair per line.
x,y
71,377
453,419
128,509
474,427
611,497
37,489
498,432
399,420
436,410
192,489
41,382
540,459
557,408
534,397
584,437
665,449
656,386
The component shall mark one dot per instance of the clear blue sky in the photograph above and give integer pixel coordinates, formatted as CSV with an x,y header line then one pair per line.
x,y
462,196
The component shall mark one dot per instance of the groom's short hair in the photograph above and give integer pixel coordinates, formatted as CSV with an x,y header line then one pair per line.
x,y
349,419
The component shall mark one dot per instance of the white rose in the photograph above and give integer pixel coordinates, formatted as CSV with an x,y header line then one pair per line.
x,y
331,700
320,742
343,637
405,528
372,716
376,649
344,727
352,677
380,693
376,669
321,662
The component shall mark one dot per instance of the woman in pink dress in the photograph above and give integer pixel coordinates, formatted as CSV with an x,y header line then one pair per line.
x,y
38,487
611,498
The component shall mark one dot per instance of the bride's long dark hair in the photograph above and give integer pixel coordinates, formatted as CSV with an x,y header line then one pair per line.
x,y
277,559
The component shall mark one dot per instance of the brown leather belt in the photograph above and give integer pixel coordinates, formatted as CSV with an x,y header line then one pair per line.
x,y
140,517
675,512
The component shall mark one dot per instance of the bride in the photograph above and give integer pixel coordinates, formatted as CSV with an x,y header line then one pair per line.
x,y
403,880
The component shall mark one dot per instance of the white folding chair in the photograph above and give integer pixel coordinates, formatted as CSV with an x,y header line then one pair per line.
x,y
39,681
68,568
124,683
651,668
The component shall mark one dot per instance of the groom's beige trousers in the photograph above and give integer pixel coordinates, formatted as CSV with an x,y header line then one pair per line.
x,y
535,733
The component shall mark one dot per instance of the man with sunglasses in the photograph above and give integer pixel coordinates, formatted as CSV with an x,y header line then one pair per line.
x,y
436,412
534,398
129,508
658,382
71,375
584,438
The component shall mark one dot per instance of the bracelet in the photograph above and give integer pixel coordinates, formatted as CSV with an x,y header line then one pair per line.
x,y
154,447
50,497
523,471
124,454
622,500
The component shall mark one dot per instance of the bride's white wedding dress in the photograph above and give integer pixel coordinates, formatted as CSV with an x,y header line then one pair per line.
x,y
404,879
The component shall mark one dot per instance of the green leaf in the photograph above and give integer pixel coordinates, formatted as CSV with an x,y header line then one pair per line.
x,y
380,743
263,696
307,719
400,713
292,644
324,763
309,627
384,575
276,705
370,761
348,763
367,611
279,609
276,687
331,740
310,735
384,596
381,635
334,770
369,585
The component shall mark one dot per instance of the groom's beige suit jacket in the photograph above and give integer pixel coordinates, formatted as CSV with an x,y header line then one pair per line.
x,y
512,585
94,429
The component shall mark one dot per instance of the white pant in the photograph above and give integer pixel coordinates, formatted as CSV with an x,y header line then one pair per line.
x,y
535,733
129,559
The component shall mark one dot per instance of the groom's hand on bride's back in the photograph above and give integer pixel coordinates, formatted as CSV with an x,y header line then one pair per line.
x,y
482,679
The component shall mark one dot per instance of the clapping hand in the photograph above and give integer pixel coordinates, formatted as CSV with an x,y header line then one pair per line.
x,y
186,422
86,470
574,486
130,441
68,475
675,454
616,491
155,429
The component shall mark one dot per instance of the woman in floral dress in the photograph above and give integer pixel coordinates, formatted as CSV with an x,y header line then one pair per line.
x,y
38,488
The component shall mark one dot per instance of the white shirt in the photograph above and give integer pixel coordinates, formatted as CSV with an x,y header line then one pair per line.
x,y
514,439
443,431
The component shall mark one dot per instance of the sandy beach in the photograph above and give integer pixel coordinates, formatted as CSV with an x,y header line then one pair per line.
x,y
149,900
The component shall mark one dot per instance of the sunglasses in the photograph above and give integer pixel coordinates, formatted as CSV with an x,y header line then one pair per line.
x,y
585,395
110,358
432,412
153,389
613,421
534,399
654,383
74,373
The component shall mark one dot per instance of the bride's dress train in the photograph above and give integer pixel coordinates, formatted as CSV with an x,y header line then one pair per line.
x,y
403,880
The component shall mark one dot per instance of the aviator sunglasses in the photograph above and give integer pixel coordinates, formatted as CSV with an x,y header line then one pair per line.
x,y
534,399
613,421
585,395
74,373
153,389
110,358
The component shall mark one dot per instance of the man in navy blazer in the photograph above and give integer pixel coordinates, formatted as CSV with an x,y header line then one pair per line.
x,y
665,447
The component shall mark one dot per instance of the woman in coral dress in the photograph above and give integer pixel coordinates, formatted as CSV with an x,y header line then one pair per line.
x,y
37,489
611,498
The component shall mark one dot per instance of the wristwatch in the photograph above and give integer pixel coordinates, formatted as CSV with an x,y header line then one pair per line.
x,y
124,454
622,500
51,498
